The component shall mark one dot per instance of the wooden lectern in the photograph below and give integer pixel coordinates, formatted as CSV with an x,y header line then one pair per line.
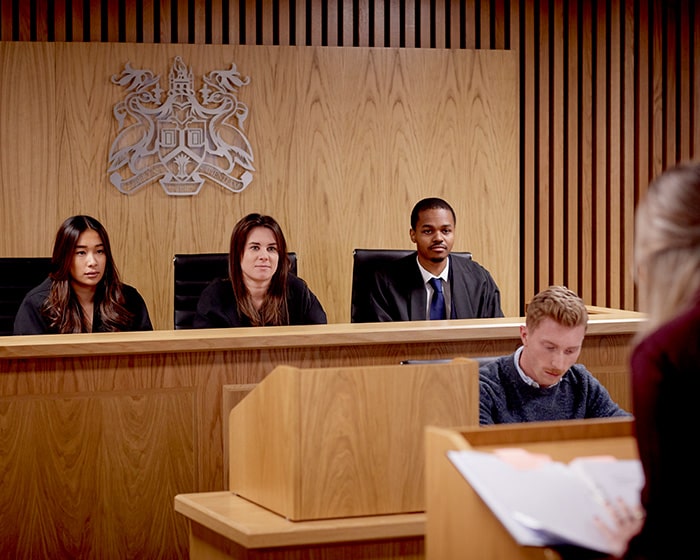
x,y
348,441
459,524
330,463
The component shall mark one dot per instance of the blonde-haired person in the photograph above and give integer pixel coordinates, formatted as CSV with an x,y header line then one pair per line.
x,y
665,360
541,380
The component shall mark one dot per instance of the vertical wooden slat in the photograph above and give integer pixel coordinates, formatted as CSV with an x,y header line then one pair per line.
x,y
251,35
234,22
60,18
613,212
267,23
515,15
78,19
183,22
96,22
455,24
695,149
557,157
601,170
424,32
573,182
394,23
199,23
642,118
347,23
629,169
362,22
217,15
148,20
5,20
130,21
379,36
485,24
469,22
40,21
439,24
499,41
657,78
76,16
587,226
543,169
527,73
25,21
514,29
249,23
685,57
410,16
332,24
113,21
671,124
284,19
300,17
317,23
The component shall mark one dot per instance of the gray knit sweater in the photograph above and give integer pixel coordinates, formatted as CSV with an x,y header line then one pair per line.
x,y
506,398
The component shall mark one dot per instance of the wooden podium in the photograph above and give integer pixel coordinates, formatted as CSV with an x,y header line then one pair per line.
x,y
348,441
459,524
330,463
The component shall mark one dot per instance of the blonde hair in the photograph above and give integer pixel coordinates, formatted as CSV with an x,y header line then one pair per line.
x,y
667,244
558,303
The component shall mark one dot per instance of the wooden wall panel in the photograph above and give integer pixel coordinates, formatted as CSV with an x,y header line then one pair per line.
x,y
528,151
85,449
630,108
28,182
364,139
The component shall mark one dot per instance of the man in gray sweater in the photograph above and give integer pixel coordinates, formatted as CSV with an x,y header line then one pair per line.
x,y
541,380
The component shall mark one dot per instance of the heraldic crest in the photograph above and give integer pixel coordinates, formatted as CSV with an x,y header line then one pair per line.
x,y
184,139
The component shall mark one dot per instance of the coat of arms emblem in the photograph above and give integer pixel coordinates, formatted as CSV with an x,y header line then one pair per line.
x,y
184,139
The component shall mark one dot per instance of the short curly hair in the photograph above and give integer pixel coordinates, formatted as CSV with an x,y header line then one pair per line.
x,y
558,303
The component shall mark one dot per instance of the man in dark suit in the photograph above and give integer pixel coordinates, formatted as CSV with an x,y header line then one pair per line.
x,y
403,290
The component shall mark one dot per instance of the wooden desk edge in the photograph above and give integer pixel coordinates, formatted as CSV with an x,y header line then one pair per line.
x,y
252,526
337,334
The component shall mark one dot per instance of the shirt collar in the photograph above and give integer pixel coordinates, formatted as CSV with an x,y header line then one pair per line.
x,y
529,380
444,275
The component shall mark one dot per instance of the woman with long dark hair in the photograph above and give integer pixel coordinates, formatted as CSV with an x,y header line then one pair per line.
x,y
260,289
83,292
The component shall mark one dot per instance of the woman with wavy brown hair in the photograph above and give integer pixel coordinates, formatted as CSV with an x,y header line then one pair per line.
x,y
83,292
260,289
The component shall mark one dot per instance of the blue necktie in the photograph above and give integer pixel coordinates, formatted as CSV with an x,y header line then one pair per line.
x,y
437,304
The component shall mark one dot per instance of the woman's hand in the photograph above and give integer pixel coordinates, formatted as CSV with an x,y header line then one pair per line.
x,y
628,522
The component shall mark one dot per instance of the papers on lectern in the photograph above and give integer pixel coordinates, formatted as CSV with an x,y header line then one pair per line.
x,y
542,502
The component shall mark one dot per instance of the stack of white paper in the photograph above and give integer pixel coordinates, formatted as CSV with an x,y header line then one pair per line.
x,y
551,503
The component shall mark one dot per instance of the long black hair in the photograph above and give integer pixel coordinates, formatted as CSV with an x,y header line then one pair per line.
x,y
62,308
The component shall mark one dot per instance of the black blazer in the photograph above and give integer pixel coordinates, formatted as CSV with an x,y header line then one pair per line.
x,y
398,292
217,306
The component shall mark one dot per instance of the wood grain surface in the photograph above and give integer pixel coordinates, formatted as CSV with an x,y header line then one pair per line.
x,y
345,142
99,432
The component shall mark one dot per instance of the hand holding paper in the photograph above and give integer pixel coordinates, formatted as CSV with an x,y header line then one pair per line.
x,y
551,503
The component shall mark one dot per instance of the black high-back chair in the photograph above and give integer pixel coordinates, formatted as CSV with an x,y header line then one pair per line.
x,y
193,272
18,275
365,263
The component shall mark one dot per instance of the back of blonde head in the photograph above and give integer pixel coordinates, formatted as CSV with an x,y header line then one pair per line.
x,y
667,244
